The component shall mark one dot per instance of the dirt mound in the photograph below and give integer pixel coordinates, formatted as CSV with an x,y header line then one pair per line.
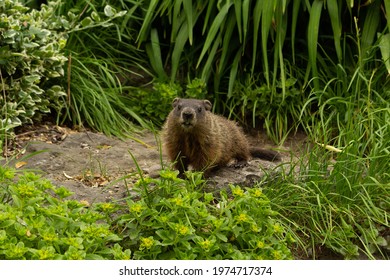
x,y
100,168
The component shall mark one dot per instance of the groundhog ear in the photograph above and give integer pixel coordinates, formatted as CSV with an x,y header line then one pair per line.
x,y
207,105
175,101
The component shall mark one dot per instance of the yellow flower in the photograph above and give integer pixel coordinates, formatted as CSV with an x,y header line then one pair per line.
x,y
218,223
163,218
254,228
26,190
257,192
206,244
278,228
49,236
277,255
260,244
237,191
107,207
169,174
178,201
182,229
136,208
242,217
46,253
146,243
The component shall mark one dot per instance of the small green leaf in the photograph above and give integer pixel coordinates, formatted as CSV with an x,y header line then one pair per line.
x,y
120,14
166,236
7,223
86,22
221,236
95,16
109,11
381,241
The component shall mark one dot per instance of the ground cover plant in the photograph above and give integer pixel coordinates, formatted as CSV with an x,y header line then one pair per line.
x,y
36,222
175,220
321,67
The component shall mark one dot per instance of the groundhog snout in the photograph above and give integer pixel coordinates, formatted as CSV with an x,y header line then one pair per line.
x,y
188,115
188,118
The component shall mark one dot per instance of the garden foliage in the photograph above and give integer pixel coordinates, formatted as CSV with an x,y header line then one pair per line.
x,y
175,220
31,60
319,66
37,222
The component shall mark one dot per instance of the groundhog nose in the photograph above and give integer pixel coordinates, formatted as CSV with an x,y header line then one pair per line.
x,y
188,115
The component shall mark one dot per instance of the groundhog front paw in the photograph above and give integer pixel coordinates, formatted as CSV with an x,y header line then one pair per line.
x,y
240,164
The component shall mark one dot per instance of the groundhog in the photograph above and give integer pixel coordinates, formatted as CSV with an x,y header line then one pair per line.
x,y
194,136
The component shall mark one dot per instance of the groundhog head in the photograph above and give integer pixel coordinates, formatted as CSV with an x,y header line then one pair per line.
x,y
190,112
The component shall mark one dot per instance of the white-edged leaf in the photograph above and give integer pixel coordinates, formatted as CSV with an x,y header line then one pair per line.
x,y
109,11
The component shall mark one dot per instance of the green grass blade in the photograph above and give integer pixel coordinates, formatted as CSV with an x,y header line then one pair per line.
x,y
181,39
154,53
384,45
210,9
280,37
207,67
226,44
295,13
177,19
256,23
266,20
233,72
312,38
215,27
370,27
334,15
238,8
147,21
245,19
387,9
187,5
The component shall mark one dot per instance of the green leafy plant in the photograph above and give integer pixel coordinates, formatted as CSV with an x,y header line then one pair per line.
x,y
37,222
280,112
196,88
31,58
175,220
154,104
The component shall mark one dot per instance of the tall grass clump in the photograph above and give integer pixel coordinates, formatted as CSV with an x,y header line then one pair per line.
x,y
337,196
102,59
284,47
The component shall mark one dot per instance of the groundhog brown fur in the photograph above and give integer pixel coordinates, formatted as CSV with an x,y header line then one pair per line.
x,y
194,136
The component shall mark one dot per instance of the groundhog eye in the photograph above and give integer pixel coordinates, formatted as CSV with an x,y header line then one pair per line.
x,y
200,109
179,107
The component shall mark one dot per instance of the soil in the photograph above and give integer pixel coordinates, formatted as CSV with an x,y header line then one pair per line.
x,y
98,168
